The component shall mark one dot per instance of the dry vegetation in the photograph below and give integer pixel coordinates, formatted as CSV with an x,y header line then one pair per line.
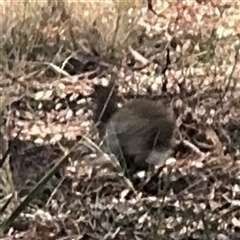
x,y
58,60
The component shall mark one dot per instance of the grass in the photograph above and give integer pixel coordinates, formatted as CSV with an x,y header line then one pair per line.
x,y
38,38
41,30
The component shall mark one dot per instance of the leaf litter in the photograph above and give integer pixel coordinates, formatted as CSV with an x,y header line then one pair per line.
x,y
187,55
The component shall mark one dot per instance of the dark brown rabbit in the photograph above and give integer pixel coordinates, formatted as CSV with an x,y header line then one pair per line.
x,y
140,134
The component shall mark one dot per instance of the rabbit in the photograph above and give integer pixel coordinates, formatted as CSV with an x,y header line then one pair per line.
x,y
140,134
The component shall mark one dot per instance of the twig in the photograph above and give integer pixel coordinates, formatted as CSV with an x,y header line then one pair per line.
x,y
139,57
192,146
231,74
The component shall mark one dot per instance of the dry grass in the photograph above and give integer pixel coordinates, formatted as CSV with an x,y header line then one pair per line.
x,y
36,31
195,196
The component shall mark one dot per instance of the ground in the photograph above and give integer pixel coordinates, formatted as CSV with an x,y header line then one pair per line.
x,y
60,62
